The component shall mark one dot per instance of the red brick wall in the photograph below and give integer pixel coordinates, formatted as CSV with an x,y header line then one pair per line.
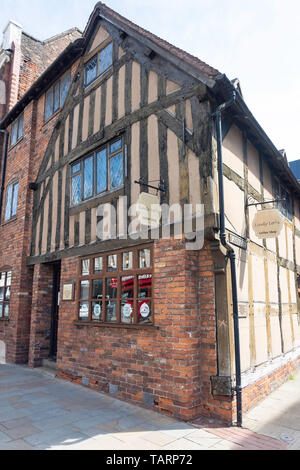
x,y
163,362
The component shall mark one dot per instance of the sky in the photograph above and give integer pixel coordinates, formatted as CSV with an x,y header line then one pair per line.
x,y
257,42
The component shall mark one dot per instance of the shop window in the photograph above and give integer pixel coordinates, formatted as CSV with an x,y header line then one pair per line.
x,y
11,201
116,288
17,130
98,64
56,95
5,287
97,173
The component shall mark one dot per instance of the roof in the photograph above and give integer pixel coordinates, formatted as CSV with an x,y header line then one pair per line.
x,y
295,167
103,9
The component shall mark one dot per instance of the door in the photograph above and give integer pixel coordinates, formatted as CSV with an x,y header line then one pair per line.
x,y
55,310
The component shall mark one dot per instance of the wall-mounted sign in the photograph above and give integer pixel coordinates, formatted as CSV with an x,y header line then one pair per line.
x,y
268,223
148,210
68,292
237,241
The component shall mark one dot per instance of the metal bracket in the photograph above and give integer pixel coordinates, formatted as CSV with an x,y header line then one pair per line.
x,y
250,198
162,186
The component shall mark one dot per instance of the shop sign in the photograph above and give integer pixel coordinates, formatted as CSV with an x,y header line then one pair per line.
x,y
127,310
68,290
268,223
148,210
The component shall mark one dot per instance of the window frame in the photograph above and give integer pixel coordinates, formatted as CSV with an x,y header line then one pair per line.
x,y
286,207
4,301
94,155
90,58
120,273
51,90
12,216
19,134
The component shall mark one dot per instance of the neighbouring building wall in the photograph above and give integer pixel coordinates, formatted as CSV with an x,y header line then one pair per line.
x,y
267,270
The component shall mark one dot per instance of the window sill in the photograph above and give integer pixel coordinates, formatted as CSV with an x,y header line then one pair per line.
x,y
9,221
15,144
52,117
114,325
97,200
2,319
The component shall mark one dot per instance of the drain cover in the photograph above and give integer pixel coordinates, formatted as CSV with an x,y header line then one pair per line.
x,y
286,438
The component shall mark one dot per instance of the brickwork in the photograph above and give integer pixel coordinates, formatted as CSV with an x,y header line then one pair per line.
x,y
40,327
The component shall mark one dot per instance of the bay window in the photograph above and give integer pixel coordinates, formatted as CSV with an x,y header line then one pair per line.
x,y
5,286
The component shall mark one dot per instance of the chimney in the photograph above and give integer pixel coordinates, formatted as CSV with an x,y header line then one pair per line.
x,y
12,34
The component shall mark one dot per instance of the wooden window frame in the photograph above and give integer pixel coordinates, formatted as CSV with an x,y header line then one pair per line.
x,y
4,302
13,184
51,90
285,207
93,154
92,56
19,134
120,273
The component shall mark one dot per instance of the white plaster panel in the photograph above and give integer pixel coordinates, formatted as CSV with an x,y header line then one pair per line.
x,y
273,282
252,236
253,167
261,340
297,250
233,151
244,343
290,254
234,207
258,275
275,335
286,332
284,286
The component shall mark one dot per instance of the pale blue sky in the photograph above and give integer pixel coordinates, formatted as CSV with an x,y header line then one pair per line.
x,y
257,41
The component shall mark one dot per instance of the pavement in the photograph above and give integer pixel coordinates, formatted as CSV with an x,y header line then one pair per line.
x,y
41,412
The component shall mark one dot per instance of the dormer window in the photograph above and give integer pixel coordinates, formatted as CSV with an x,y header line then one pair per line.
x,y
98,64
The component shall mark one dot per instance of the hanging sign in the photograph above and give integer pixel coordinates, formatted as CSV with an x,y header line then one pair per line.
x,y
148,210
268,223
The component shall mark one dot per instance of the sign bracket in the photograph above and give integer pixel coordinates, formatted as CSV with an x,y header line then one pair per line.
x,y
250,204
162,186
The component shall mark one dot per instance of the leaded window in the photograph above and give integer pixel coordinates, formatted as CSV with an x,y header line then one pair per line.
x,y
11,201
17,130
98,64
5,288
97,173
116,288
56,95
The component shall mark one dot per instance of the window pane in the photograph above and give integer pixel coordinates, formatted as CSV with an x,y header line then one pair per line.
x,y
7,293
15,200
75,168
7,215
20,126
116,146
111,312
1,309
6,310
116,170
8,278
56,93
65,85
84,290
145,286
127,312
91,70
112,263
127,261
2,279
106,58
84,310
76,190
145,312
111,288
85,267
98,267
1,293
88,183
127,288
101,178
145,258
97,311
14,133
49,104
97,289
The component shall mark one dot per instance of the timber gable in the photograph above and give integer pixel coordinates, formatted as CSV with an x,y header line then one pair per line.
x,y
154,105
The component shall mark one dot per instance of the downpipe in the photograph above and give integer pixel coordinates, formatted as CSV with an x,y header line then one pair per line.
x,y
6,133
231,255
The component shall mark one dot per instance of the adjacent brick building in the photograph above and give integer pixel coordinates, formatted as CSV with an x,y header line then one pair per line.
x,y
103,117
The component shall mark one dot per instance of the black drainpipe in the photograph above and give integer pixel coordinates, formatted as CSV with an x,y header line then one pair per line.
x,y
3,169
231,256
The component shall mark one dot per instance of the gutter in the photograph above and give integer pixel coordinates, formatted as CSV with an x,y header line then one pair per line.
x,y
230,254
6,133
